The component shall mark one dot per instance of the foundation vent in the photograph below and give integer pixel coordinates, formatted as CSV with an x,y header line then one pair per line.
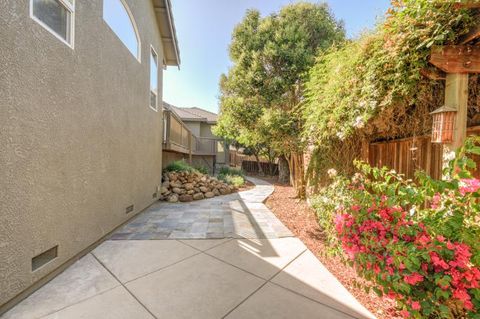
x,y
44,258
129,209
154,195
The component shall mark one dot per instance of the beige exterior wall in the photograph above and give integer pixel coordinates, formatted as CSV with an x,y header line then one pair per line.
x,y
222,152
169,157
79,142
206,130
194,127
197,160
200,129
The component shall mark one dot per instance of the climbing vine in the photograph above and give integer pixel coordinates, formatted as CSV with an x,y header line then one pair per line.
x,y
373,86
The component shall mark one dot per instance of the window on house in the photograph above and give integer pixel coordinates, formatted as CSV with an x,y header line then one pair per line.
x,y
117,15
56,16
153,79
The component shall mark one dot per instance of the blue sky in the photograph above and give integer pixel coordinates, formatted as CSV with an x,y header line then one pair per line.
x,y
117,18
204,32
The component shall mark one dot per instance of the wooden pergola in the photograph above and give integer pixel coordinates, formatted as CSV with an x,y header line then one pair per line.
x,y
454,63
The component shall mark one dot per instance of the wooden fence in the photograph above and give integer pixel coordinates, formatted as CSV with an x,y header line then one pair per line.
x,y
411,154
252,167
408,155
237,158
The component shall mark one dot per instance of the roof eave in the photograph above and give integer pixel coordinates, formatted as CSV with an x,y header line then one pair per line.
x,y
166,26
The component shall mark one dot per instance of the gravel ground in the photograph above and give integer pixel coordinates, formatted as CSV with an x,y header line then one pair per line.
x,y
301,220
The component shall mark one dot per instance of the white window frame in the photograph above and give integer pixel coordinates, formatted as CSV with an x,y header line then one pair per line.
x,y
150,84
69,7
134,25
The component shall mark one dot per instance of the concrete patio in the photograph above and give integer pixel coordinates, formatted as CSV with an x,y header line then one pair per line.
x,y
226,257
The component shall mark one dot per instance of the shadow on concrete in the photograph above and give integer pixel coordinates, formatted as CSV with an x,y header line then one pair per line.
x,y
271,276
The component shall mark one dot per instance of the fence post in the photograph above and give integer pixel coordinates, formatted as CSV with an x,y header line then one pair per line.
x,y
365,150
190,148
168,130
456,95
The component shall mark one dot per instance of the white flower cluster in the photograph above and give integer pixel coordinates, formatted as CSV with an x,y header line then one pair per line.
x,y
359,122
332,173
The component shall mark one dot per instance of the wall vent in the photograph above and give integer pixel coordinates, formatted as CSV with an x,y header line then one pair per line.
x,y
154,195
44,258
129,209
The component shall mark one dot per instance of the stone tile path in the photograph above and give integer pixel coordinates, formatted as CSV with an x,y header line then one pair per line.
x,y
239,215
257,270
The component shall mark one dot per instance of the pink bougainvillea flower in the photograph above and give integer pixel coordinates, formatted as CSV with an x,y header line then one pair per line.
x,y
436,201
468,305
469,185
462,295
389,260
423,240
450,246
437,261
416,305
391,295
405,314
425,267
355,208
413,279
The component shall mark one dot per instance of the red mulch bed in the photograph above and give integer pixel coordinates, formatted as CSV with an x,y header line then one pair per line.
x,y
301,220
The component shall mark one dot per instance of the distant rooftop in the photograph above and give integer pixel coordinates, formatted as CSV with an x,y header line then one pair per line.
x,y
192,114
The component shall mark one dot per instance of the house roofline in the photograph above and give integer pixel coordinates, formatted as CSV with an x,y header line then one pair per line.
x,y
163,13
173,108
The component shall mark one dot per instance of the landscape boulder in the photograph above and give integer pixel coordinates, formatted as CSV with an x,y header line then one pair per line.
x,y
185,198
189,186
198,196
209,194
173,198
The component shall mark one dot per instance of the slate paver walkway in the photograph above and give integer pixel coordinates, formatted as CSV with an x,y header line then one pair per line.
x,y
164,265
238,215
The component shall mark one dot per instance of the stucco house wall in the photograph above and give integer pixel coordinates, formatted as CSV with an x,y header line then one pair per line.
x,y
194,127
79,142
206,130
206,161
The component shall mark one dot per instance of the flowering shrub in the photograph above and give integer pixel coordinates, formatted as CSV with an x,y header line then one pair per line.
x,y
326,203
416,242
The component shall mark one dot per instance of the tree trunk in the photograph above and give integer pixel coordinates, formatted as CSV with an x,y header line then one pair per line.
x,y
297,174
283,170
260,168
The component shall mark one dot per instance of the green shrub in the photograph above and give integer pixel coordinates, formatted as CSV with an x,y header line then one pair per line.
x,y
325,203
202,169
231,171
180,166
234,180
416,242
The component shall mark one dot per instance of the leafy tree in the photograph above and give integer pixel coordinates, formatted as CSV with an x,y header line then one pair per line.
x,y
262,90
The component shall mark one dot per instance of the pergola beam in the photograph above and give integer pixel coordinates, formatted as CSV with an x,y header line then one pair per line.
x,y
471,35
433,74
456,58
469,4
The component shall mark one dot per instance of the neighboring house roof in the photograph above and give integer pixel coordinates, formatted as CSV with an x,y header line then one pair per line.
x,y
192,114
166,25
